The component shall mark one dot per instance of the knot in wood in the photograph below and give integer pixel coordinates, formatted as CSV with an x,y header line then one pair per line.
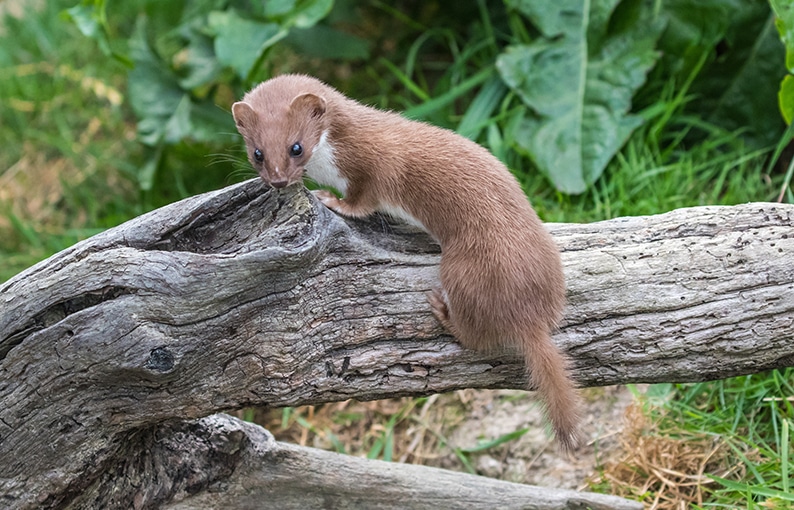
x,y
160,359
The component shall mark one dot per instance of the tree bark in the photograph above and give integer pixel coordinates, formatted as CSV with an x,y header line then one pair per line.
x,y
246,296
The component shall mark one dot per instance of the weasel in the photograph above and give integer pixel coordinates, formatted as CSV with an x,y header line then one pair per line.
x,y
502,282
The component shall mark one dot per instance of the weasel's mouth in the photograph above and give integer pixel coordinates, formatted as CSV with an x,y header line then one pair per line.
x,y
277,182
280,183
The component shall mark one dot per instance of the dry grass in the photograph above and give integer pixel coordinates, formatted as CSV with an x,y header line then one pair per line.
x,y
46,183
667,471
33,186
403,430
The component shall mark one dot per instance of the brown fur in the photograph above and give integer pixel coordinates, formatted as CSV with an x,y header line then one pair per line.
x,y
501,272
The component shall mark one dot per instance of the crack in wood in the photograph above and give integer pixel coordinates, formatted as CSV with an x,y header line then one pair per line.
x,y
56,312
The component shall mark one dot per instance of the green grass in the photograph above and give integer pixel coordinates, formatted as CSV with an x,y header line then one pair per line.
x,y
67,142
70,158
753,415
639,182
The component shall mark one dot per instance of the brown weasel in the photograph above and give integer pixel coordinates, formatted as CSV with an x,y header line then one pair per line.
x,y
501,274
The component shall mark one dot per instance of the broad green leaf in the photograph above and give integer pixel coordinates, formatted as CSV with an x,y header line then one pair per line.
x,y
786,98
203,122
276,8
728,50
578,93
311,11
563,17
154,91
322,41
166,113
240,42
545,74
612,17
784,22
784,14
178,126
83,16
198,65
739,91
300,13
89,17
211,123
747,98
694,27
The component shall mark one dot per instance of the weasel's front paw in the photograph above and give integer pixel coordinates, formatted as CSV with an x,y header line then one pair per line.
x,y
340,205
327,198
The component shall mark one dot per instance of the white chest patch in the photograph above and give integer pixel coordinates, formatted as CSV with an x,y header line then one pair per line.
x,y
401,214
322,168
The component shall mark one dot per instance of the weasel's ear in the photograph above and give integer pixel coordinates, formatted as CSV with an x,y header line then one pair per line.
x,y
244,116
308,104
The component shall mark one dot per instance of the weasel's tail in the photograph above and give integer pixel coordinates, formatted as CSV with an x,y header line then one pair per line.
x,y
548,374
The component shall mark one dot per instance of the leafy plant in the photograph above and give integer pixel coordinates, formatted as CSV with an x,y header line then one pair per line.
x,y
569,90
571,85
737,84
577,81
90,16
784,12
189,58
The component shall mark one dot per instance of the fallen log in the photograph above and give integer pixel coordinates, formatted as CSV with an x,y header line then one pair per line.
x,y
246,297
222,462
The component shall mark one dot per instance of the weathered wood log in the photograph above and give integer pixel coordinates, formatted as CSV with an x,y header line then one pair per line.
x,y
243,467
252,297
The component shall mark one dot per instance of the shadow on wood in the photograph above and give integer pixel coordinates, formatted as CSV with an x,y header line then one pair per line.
x,y
247,297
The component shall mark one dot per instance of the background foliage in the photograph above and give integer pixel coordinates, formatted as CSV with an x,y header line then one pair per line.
x,y
601,108
562,99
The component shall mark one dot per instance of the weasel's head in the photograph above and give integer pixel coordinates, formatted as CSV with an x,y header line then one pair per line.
x,y
280,135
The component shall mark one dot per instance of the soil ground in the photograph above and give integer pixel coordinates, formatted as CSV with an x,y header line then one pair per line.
x,y
474,427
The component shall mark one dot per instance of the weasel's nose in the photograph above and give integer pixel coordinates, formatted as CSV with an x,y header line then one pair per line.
x,y
279,183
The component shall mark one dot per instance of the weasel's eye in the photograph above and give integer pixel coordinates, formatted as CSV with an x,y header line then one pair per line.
x,y
296,150
258,156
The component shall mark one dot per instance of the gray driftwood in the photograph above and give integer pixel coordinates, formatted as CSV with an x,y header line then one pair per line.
x,y
111,350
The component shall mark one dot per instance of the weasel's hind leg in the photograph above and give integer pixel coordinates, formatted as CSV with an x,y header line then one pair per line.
x,y
440,308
